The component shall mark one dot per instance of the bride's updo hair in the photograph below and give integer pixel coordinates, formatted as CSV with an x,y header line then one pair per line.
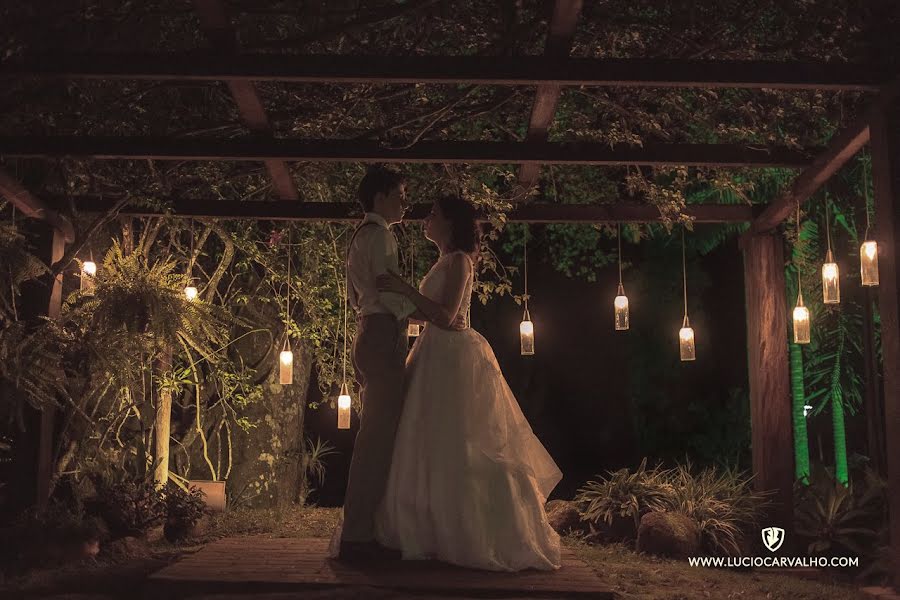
x,y
462,215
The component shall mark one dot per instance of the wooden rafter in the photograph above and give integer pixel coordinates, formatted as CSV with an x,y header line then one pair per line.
x,y
217,27
501,70
337,212
842,147
32,206
559,41
266,148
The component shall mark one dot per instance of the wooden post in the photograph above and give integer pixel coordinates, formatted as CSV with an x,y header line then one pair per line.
x,y
163,422
885,136
48,413
769,376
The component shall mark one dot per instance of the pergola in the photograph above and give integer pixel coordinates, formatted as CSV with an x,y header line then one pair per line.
x,y
766,308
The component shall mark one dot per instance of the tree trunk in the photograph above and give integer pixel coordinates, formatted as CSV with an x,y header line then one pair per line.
x,y
163,423
801,440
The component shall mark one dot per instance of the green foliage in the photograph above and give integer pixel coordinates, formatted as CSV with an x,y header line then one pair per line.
x,y
721,501
316,452
183,510
624,493
129,505
835,518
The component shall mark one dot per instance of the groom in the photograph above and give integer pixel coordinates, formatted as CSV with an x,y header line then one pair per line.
x,y
379,355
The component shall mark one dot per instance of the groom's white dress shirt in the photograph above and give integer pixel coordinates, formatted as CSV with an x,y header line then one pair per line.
x,y
372,253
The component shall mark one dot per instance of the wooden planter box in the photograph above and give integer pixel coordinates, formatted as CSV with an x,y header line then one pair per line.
x,y
213,493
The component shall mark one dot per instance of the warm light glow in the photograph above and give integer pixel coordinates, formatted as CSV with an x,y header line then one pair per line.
x,y
344,404
621,310
89,267
526,337
413,330
801,324
806,409
686,344
286,371
831,285
190,292
868,263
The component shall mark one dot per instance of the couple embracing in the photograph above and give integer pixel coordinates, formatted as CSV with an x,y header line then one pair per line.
x,y
445,466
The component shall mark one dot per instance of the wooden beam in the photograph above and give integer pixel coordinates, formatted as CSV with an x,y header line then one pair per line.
x,y
498,70
771,427
841,148
32,206
350,211
559,42
264,148
217,26
885,127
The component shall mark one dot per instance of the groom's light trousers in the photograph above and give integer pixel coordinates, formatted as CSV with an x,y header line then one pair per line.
x,y
379,355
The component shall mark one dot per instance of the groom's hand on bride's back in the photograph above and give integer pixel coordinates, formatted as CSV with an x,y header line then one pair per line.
x,y
459,323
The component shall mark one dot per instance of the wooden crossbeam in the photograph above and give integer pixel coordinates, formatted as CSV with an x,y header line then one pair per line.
x,y
559,41
499,70
841,148
327,211
265,148
217,26
32,206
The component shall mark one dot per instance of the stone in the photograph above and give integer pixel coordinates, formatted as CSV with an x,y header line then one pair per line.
x,y
668,534
565,517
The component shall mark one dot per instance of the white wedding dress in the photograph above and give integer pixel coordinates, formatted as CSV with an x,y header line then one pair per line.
x,y
469,478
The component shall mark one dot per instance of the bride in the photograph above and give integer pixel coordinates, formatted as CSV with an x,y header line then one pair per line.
x,y
468,479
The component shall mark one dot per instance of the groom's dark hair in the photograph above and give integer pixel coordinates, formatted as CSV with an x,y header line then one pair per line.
x,y
378,178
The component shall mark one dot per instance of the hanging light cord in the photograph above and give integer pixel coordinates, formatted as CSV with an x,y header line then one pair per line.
x,y
619,238
191,261
287,300
799,284
827,225
525,257
684,274
866,199
346,297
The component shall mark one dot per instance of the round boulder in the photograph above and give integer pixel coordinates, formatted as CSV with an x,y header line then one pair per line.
x,y
565,517
668,534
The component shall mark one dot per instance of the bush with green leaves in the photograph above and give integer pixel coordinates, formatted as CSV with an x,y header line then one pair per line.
x,y
183,509
721,501
835,519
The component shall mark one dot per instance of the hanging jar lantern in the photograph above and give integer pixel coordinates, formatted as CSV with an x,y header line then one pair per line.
x,y
526,327
526,335
868,263
286,365
344,403
620,304
686,347
286,358
868,251
88,273
831,288
801,313
801,322
831,284
190,291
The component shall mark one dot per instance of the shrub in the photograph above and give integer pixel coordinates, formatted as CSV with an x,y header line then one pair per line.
x,y
183,510
623,494
130,506
834,518
721,502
